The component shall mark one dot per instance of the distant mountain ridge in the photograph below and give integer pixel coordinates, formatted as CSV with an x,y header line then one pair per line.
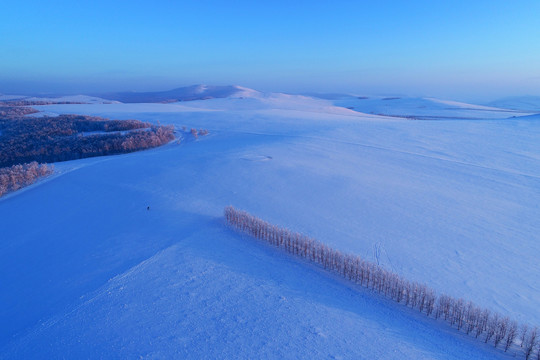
x,y
188,93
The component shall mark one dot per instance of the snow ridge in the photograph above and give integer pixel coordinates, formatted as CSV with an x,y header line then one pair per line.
x,y
188,93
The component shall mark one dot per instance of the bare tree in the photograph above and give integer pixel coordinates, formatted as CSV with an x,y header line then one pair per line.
x,y
459,313
471,317
524,333
491,326
530,343
501,330
482,322
511,335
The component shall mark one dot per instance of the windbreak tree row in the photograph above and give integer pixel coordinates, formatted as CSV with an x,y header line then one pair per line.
x,y
483,324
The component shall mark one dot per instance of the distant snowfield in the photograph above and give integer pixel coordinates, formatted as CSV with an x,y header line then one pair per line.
x,y
88,271
68,98
523,103
426,108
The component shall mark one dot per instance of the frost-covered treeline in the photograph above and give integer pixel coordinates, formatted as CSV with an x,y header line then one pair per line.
x,y
478,322
16,111
36,102
17,176
69,137
24,141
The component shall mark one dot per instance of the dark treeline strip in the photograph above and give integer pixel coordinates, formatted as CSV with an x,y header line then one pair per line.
x,y
37,102
464,315
61,138
17,176
64,125
15,111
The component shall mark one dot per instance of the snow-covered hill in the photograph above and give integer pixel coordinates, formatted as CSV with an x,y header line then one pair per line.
x,y
188,93
423,108
522,103
88,271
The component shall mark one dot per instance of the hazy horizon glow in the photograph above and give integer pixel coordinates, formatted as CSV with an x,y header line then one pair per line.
x,y
461,50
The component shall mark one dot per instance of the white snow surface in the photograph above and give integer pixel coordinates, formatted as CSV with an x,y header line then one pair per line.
x,y
425,108
523,103
88,272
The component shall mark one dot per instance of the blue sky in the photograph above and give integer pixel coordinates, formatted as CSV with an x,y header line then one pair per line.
x,y
456,49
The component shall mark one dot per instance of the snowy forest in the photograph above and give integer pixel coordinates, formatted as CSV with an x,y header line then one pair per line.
x,y
17,176
69,137
15,111
480,323
25,141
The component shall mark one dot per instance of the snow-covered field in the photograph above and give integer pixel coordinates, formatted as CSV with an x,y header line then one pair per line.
x,y
88,272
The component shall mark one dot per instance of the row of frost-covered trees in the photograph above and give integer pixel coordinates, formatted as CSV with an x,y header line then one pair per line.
x,y
478,322
17,176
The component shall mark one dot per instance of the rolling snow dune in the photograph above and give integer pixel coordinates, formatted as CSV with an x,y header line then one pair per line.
x,y
425,108
88,271
523,103
188,93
